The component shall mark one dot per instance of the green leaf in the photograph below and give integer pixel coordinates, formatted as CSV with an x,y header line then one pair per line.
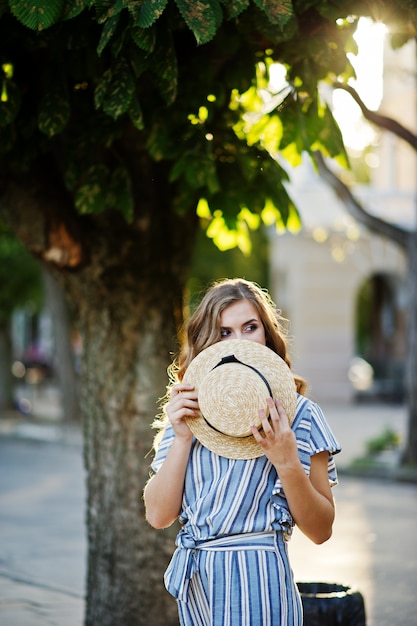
x,y
90,196
144,38
20,277
121,90
329,137
107,33
277,12
149,12
159,142
179,167
198,170
235,7
102,88
290,116
115,92
72,8
37,14
163,64
203,18
120,195
135,113
54,112
139,60
106,9
9,102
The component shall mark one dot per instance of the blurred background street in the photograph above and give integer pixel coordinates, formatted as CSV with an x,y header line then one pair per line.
x,y
43,542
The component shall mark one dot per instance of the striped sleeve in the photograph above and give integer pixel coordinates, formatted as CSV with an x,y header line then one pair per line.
x,y
163,447
322,438
313,436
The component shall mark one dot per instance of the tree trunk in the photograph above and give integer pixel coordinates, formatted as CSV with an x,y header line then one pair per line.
x,y
64,361
125,281
410,455
124,372
129,307
6,378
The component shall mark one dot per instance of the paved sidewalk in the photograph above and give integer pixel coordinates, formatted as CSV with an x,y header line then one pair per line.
x,y
43,545
42,532
29,604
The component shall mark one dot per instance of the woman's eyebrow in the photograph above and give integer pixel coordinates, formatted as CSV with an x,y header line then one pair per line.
x,y
244,323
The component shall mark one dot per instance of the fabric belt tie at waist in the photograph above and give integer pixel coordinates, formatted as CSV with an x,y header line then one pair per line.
x,y
184,562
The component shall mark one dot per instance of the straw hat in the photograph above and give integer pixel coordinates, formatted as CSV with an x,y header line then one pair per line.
x,y
233,378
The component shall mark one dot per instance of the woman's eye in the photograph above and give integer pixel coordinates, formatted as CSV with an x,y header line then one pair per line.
x,y
224,332
251,328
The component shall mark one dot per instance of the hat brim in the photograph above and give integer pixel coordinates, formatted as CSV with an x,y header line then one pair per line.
x,y
230,396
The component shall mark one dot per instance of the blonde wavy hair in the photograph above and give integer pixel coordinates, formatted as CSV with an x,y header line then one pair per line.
x,y
203,329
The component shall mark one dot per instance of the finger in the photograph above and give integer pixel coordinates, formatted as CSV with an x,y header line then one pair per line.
x,y
257,435
184,400
273,411
266,424
192,405
183,396
179,388
282,415
184,407
273,417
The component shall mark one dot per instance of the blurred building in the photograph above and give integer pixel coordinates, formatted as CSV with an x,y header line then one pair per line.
x,y
343,288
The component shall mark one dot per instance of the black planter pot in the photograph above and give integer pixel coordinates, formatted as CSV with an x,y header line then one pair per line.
x,y
329,604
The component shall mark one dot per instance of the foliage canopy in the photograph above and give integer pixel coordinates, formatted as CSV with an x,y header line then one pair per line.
x,y
190,82
91,91
20,277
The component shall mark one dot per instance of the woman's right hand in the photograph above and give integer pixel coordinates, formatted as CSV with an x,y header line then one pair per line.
x,y
164,492
183,403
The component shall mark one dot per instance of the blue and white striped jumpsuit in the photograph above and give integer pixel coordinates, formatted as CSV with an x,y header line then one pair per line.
x,y
231,564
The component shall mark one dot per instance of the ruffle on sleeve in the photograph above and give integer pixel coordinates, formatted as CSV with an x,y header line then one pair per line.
x,y
313,436
283,516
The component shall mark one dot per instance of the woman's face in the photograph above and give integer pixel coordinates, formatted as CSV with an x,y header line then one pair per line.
x,y
241,321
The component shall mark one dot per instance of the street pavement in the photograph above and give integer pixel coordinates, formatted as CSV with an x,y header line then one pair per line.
x,y
43,541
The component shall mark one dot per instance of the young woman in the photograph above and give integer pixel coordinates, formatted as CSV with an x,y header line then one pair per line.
x,y
231,564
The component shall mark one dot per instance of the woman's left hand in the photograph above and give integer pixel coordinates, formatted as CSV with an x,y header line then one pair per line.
x,y
309,498
278,440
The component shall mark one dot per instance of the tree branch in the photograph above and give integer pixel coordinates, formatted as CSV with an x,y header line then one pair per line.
x,y
375,224
380,120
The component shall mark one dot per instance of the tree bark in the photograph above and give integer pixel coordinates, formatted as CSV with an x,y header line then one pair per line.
x,y
382,121
124,371
391,231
